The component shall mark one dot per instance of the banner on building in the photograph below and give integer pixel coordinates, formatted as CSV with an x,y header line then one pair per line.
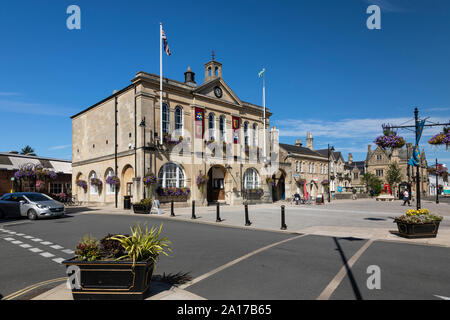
x,y
199,123
236,125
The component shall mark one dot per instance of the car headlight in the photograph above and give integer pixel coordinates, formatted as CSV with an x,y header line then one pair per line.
x,y
40,206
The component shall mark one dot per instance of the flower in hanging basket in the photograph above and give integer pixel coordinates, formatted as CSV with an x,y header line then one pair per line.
x,y
82,184
201,179
441,138
96,182
325,182
149,179
270,181
390,140
113,180
167,138
52,174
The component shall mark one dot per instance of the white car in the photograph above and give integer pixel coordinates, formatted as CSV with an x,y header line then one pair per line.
x,y
33,205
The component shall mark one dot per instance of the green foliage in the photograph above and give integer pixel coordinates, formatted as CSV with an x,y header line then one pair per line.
x,y
87,249
143,244
27,150
146,202
373,182
394,174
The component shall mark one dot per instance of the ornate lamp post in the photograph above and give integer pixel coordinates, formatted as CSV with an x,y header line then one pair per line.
x,y
329,181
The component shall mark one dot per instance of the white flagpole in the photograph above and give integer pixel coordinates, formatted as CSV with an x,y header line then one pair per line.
x,y
160,86
264,106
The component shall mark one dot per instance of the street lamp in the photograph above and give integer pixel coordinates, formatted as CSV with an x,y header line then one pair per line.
x,y
142,125
437,182
329,181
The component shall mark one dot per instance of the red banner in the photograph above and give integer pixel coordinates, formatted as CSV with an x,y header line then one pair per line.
x,y
236,124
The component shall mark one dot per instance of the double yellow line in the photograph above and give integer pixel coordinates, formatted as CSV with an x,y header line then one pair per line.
x,y
32,287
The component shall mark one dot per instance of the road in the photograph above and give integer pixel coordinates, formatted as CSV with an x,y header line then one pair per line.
x,y
264,264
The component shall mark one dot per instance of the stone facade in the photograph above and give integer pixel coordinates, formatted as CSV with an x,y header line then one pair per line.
x,y
378,160
128,135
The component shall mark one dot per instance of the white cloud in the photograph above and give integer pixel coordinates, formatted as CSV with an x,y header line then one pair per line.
x,y
60,147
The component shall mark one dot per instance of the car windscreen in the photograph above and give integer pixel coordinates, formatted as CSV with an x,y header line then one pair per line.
x,y
37,197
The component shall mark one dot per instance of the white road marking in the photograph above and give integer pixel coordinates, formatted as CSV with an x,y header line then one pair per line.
x,y
20,234
36,240
9,239
47,254
56,247
28,237
25,246
442,297
16,242
59,260
35,250
12,232
46,243
68,251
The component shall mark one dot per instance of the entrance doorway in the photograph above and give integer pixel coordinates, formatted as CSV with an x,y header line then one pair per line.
x,y
279,189
216,184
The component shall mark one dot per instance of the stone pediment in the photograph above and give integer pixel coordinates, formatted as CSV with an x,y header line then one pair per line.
x,y
224,93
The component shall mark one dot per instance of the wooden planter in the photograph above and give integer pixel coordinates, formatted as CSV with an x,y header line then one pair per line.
x,y
139,208
111,280
410,230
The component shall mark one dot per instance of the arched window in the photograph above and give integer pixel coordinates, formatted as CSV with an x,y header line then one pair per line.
x,y
255,135
246,133
179,120
171,175
296,166
251,179
93,187
166,118
222,128
212,126
110,188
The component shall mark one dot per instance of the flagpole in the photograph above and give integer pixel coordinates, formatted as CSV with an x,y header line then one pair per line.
x,y
160,87
264,106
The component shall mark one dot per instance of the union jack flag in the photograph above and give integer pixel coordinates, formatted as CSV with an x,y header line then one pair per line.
x,y
166,44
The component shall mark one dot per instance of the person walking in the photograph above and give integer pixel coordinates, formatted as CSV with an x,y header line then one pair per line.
x,y
354,194
406,198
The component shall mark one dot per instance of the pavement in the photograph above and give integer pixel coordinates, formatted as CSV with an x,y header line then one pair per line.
x,y
320,240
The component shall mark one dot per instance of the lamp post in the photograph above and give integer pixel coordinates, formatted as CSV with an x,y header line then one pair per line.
x,y
142,125
437,183
329,181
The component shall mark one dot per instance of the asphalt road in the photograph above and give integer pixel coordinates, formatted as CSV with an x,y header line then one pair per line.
x,y
296,268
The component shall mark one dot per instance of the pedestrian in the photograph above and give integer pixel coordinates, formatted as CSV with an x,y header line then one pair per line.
x,y
297,198
406,198
354,194
371,193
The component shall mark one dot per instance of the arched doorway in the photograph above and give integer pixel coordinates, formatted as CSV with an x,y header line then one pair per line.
x,y
216,184
278,190
126,184
402,187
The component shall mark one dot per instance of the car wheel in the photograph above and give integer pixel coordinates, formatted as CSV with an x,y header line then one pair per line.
x,y
32,215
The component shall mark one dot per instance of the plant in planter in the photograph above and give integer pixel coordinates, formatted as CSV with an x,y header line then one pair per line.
x,y
418,224
144,206
120,267
82,184
389,139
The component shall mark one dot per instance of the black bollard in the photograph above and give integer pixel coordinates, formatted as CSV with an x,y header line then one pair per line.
x,y
193,210
172,213
218,213
247,221
283,222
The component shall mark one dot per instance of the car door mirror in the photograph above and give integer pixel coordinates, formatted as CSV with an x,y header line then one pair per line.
x,y
22,202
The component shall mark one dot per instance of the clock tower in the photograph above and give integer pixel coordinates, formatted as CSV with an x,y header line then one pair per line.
x,y
213,69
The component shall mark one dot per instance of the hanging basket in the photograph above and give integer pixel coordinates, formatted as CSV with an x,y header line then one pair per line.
x,y
442,138
390,140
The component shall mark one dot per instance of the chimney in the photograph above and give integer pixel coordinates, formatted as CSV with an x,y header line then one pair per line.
x,y
309,141
298,142
189,77
350,158
369,148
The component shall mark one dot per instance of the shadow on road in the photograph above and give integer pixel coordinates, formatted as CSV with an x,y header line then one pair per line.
x,y
355,288
164,282
375,219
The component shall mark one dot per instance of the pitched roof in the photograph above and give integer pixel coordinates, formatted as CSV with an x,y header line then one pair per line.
x,y
300,150
12,161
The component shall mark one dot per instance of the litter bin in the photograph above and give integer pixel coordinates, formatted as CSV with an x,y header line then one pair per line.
x,y
127,202
319,199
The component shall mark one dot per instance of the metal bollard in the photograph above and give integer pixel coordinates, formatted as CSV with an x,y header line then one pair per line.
x,y
218,213
283,220
172,213
247,221
193,210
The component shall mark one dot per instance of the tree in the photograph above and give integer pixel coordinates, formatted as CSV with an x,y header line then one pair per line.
x,y
27,151
394,175
373,182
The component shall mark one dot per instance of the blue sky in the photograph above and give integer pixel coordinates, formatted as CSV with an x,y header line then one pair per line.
x,y
326,72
